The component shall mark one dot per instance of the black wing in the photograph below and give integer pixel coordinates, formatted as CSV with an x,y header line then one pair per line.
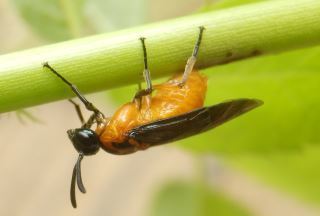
x,y
191,123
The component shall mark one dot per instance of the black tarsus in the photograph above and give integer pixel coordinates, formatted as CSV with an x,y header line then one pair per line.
x,y
192,59
74,88
146,73
197,46
145,58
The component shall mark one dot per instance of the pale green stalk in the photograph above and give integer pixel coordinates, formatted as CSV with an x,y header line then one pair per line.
x,y
110,60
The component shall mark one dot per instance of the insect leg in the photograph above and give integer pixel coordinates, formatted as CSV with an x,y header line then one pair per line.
x,y
192,60
74,88
146,73
77,107
90,121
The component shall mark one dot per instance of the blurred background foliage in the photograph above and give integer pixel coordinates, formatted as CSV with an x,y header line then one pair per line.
x,y
277,143
196,199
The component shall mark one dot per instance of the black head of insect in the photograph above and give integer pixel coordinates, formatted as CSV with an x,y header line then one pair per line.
x,y
86,142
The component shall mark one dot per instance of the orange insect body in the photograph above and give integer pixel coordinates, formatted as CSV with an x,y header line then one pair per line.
x,y
169,100
175,111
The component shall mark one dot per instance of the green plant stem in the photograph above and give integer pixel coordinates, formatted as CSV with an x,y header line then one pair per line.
x,y
115,59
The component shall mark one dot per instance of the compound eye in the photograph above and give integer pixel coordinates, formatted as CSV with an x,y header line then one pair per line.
x,y
84,140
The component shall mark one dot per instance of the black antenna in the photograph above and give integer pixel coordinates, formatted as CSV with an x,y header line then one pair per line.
x,y
78,170
76,174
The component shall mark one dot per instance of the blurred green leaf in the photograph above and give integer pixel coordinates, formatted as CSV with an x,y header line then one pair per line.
x,y
110,15
180,198
294,172
58,20
54,20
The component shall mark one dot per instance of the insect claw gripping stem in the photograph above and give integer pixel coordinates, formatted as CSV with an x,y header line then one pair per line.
x,y
192,60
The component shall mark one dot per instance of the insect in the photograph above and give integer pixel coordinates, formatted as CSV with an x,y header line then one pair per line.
x,y
157,115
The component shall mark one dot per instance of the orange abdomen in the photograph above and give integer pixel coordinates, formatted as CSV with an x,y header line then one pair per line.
x,y
169,100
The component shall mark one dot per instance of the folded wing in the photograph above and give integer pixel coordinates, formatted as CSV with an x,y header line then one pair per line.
x,y
191,123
